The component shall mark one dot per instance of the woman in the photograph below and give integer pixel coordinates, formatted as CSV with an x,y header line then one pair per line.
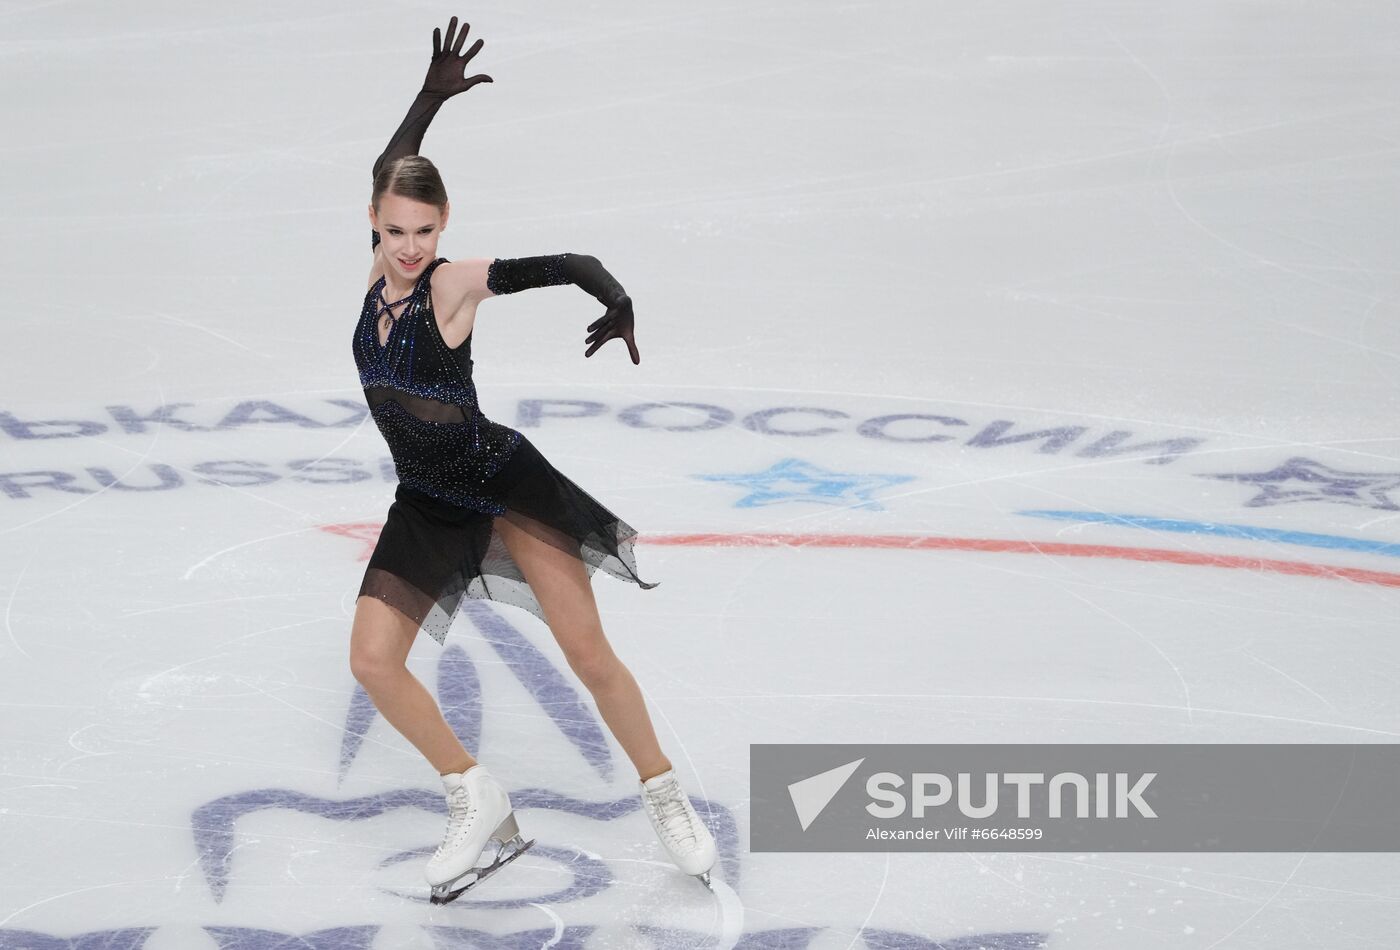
x,y
479,512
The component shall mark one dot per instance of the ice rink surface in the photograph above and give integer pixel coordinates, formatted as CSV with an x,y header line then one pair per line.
x,y
1094,305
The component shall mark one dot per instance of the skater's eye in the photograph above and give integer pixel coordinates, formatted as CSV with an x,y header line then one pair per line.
x,y
420,230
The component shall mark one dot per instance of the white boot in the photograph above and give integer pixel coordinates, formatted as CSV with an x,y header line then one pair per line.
x,y
685,837
478,811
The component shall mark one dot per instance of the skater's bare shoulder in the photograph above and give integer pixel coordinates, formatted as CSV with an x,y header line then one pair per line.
x,y
457,288
463,281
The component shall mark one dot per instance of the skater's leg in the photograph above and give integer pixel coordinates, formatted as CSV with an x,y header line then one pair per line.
x,y
380,639
561,585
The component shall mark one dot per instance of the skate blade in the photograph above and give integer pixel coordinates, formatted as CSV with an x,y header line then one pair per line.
x,y
444,893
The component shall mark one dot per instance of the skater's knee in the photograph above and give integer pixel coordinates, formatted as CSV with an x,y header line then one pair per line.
x,y
379,642
596,666
371,667
376,658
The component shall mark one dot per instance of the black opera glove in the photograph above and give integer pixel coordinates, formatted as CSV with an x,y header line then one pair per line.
x,y
443,81
588,272
510,275
445,72
618,322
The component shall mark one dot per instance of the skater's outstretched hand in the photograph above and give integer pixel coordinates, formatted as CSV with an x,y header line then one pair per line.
x,y
617,322
445,72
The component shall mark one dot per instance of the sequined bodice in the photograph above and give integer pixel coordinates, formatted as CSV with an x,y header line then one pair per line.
x,y
422,398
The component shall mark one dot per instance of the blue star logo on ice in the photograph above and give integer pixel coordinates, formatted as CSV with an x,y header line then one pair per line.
x,y
795,480
1302,479
811,795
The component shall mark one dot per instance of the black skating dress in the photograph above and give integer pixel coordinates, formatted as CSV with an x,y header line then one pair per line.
x,y
458,472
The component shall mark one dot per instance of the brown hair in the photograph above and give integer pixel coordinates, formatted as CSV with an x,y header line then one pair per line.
x,y
410,176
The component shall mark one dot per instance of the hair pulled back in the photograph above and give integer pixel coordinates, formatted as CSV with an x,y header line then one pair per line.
x,y
410,176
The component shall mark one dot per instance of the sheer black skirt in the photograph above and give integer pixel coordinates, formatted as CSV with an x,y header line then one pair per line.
x,y
432,554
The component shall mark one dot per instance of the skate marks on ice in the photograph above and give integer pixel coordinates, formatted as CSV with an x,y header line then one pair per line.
x,y
214,824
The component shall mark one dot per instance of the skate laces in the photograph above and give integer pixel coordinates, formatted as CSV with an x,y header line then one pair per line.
x,y
460,809
670,806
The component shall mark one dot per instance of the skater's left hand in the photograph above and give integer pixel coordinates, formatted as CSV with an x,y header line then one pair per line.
x,y
617,322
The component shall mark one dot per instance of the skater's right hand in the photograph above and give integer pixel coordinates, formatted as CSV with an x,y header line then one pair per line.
x,y
445,72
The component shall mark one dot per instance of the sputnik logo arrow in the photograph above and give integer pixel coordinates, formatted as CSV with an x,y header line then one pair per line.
x,y
811,795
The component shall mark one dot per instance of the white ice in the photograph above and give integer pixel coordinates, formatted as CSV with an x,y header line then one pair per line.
x,y
1176,221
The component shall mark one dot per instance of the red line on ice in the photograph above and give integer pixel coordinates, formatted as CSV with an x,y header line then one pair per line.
x,y
911,542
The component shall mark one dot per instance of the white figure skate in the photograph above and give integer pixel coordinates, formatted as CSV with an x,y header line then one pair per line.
x,y
478,812
682,833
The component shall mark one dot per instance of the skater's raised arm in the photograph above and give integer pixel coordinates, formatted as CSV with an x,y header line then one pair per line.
x,y
443,81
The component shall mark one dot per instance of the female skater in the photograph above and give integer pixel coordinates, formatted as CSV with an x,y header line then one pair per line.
x,y
478,511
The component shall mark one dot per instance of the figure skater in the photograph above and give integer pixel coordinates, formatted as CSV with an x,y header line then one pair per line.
x,y
479,512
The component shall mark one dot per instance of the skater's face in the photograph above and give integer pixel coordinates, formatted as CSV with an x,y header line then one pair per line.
x,y
408,231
